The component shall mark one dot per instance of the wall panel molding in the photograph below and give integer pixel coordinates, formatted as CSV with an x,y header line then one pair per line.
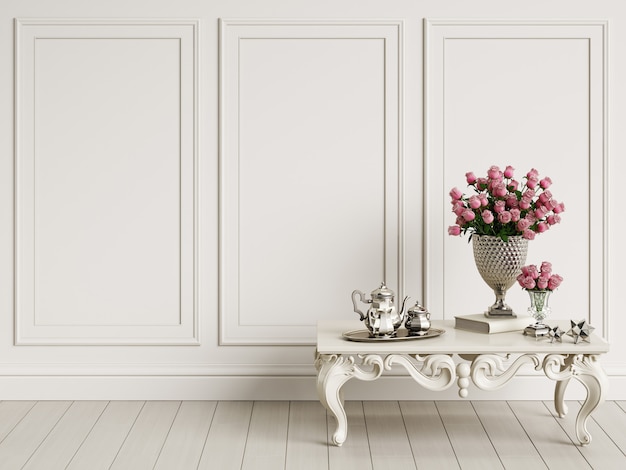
x,y
319,102
450,152
106,181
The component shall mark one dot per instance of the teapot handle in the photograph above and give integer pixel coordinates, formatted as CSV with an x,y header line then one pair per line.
x,y
361,296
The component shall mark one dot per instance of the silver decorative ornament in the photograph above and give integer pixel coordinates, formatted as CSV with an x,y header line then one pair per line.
x,y
499,263
579,330
555,333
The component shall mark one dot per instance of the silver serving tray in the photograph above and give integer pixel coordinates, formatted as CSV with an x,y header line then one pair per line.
x,y
402,335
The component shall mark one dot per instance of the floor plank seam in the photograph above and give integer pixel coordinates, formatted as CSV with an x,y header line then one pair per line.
x,y
18,422
487,434
527,435
245,445
287,432
69,462
558,421
206,437
169,430
604,431
48,434
448,435
127,434
406,431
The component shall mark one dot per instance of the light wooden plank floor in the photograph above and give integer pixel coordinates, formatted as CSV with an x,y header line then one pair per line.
x,y
172,435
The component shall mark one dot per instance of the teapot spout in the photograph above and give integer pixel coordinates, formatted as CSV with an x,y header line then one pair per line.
x,y
402,312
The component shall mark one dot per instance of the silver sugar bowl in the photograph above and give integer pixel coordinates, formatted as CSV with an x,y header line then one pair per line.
x,y
418,320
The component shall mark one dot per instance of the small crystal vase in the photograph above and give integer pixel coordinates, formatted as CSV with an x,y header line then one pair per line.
x,y
539,310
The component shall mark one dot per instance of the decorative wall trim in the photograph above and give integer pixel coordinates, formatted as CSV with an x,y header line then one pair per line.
x,y
185,329
436,32
233,330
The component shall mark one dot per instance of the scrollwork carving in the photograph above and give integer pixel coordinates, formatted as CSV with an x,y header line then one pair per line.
x,y
490,373
433,372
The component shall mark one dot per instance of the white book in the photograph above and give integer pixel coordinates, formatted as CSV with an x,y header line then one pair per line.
x,y
479,323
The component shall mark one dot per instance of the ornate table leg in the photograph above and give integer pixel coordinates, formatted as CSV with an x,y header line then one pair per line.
x,y
559,389
334,370
587,370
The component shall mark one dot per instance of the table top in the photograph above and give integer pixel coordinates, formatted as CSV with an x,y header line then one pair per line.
x,y
452,341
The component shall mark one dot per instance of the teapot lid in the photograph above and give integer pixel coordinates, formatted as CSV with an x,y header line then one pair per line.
x,y
417,308
382,292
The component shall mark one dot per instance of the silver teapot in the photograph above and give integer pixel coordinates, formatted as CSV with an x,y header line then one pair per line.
x,y
418,320
382,318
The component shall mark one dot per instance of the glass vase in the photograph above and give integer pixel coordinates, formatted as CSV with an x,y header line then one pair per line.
x,y
539,308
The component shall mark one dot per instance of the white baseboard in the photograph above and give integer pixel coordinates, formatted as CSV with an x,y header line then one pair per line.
x,y
270,388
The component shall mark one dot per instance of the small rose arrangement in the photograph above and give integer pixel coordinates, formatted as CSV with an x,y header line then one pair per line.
x,y
535,279
502,206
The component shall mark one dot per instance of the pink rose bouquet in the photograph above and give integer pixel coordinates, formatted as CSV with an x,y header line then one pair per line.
x,y
503,206
532,278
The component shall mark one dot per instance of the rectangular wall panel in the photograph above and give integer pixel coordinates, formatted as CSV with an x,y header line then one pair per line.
x,y
105,192
530,95
310,170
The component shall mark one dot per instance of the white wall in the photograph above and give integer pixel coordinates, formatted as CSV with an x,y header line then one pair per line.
x,y
187,187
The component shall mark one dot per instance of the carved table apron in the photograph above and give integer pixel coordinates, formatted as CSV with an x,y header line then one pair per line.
x,y
482,358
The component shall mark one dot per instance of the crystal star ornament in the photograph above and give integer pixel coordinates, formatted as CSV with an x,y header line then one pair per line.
x,y
556,333
579,330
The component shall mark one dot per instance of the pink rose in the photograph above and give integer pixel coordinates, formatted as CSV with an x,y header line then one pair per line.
x,y
532,173
481,183
515,215
468,215
540,213
474,202
555,281
460,221
542,283
458,207
454,230
529,194
546,268
484,201
499,206
533,271
554,219
528,234
504,217
513,185
470,177
487,216
527,282
494,173
456,193
542,227
499,190
548,205
511,200
522,225
558,208
545,196
532,182
524,203
508,172
545,183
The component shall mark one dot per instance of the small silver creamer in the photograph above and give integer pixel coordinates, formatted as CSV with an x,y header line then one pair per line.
x,y
382,318
418,320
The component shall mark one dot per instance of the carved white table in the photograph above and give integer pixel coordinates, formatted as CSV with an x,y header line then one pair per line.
x,y
490,361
